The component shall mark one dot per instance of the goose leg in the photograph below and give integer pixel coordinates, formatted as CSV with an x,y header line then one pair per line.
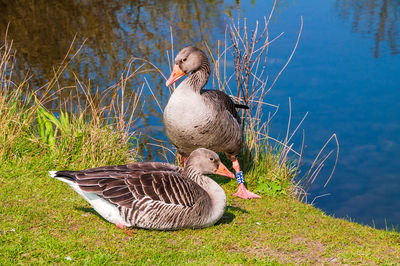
x,y
126,231
242,191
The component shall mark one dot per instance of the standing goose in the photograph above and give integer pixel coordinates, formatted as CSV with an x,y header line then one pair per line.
x,y
195,117
154,195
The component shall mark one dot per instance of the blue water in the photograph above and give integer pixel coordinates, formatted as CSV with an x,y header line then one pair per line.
x,y
350,85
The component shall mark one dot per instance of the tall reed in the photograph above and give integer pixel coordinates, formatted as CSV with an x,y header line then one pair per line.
x,y
16,113
274,162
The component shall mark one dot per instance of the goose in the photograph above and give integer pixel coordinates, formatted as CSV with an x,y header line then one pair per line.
x,y
195,117
154,195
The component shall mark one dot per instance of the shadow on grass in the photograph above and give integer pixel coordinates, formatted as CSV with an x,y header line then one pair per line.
x,y
221,180
90,210
228,216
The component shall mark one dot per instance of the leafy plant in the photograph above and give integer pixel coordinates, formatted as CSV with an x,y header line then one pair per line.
x,y
45,129
49,126
269,187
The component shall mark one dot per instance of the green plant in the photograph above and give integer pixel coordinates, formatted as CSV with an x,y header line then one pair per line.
x,y
269,188
45,127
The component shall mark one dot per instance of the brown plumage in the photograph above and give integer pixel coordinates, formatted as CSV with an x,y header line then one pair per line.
x,y
153,195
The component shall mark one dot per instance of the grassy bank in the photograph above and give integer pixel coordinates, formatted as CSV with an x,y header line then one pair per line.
x,y
42,220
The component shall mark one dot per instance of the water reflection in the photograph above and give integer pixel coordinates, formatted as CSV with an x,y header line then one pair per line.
x,y
115,31
376,18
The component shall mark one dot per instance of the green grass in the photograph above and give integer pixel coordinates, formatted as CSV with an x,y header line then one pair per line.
x,y
44,221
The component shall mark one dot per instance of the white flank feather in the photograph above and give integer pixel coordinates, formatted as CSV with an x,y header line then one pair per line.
x,y
53,174
105,208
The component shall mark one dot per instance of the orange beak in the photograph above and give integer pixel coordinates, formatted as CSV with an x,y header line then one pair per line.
x,y
222,170
176,74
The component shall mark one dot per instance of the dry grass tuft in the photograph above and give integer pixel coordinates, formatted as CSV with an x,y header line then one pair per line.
x,y
89,127
15,112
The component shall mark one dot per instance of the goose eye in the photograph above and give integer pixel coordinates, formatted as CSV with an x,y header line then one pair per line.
x,y
211,159
184,59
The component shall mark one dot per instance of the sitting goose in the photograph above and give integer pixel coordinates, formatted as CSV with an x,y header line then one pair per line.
x,y
154,195
195,117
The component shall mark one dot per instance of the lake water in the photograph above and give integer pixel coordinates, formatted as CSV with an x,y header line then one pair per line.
x,y
345,74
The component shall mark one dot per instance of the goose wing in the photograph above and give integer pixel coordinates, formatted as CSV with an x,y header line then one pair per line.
x,y
132,167
124,187
222,101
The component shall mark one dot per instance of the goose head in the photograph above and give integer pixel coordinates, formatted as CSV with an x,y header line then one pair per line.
x,y
188,60
207,162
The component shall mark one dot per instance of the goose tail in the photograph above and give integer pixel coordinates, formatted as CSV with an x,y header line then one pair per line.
x,y
105,208
241,106
53,174
65,176
69,178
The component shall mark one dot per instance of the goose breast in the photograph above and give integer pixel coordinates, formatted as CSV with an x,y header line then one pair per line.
x,y
195,120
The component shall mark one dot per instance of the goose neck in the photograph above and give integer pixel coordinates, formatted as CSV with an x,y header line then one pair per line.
x,y
198,78
214,191
193,174
197,176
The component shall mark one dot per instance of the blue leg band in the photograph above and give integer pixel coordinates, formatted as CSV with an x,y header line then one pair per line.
x,y
239,177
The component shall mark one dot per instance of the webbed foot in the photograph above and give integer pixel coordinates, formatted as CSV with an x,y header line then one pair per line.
x,y
244,193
